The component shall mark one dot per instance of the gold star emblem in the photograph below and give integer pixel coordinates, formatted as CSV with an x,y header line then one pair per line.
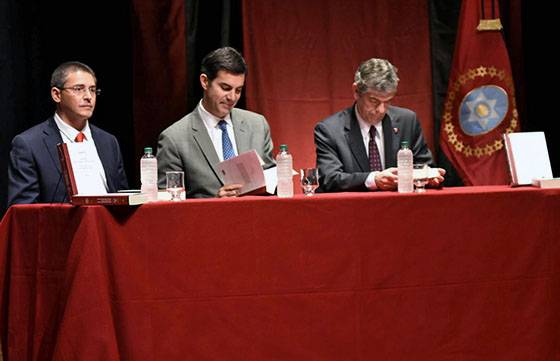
x,y
481,71
498,144
452,138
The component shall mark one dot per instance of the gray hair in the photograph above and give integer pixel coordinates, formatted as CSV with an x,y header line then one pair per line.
x,y
60,74
378,75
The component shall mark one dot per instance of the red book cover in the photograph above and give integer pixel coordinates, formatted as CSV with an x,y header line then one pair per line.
x,y
111,199
66,168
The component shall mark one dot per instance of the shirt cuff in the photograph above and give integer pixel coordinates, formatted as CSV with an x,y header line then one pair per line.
x,y
370,181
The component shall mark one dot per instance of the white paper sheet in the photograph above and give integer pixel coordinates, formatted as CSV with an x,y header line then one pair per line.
x,y
244,169
86,172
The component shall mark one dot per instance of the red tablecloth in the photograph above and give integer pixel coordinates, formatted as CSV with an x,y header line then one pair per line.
x,y
454,274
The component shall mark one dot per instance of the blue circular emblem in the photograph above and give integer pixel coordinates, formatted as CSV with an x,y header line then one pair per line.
x,y
483,109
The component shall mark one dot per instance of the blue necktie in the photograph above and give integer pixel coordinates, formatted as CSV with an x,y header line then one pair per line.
x,y
227,148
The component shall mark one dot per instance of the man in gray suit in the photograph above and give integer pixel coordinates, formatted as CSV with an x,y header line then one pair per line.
x,y
215,130
357,147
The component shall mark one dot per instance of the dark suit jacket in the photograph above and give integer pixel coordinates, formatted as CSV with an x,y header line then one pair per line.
x,y
186,146
341,155
34,170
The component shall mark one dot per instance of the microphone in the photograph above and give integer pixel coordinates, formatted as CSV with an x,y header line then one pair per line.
x,y
60,175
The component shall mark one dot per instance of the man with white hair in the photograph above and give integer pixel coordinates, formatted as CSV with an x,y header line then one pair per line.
x,y
357,147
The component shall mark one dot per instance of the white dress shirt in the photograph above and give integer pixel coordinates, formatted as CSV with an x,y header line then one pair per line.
x,y
214,131
69,133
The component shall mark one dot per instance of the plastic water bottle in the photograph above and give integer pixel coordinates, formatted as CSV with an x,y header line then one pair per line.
x,y
149,174
404,165
284,173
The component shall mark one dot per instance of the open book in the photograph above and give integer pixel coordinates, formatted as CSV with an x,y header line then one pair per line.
x,y
527,156
77,165
246,169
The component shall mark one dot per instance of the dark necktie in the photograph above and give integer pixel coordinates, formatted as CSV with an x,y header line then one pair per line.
x,y
227,148
374,158
80,137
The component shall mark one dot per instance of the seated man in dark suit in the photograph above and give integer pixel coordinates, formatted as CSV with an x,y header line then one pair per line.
x,y
357,147
34,171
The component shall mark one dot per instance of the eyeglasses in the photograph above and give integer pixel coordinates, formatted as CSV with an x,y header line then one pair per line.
x,y
81,90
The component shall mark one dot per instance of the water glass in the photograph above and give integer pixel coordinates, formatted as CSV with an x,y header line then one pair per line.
x,y
309,180
175,184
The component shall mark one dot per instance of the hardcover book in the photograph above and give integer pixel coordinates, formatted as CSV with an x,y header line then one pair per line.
x,y
547,182
527,156
111,199
76,160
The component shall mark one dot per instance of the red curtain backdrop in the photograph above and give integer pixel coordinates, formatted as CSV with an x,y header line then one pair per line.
x,y
480,104
302,56
160,70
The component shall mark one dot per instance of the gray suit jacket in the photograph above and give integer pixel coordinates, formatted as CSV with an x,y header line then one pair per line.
x,y
341,155
186,146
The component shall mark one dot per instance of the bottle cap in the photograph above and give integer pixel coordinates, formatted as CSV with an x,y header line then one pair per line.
x,y
404,144
283,147
148,150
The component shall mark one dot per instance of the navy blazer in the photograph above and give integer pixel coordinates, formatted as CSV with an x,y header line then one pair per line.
x,y
341,154
34,174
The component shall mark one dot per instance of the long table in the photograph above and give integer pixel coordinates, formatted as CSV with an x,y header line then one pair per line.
x,y
467,273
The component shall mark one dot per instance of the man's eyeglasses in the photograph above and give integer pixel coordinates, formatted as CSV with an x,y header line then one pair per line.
x,y
81,90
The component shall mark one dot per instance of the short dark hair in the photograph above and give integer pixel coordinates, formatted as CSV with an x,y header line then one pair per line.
x,y
60,74
225,58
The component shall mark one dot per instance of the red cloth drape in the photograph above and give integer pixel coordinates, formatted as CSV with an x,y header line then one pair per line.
x,y
302,56
469,273
480,104
160,68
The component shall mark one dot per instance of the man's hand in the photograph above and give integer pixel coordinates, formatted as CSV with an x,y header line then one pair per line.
x,y
387,179
437,181
229,190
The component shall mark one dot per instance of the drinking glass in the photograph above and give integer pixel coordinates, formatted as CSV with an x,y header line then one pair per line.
x,y
309,180
420,176
175,184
